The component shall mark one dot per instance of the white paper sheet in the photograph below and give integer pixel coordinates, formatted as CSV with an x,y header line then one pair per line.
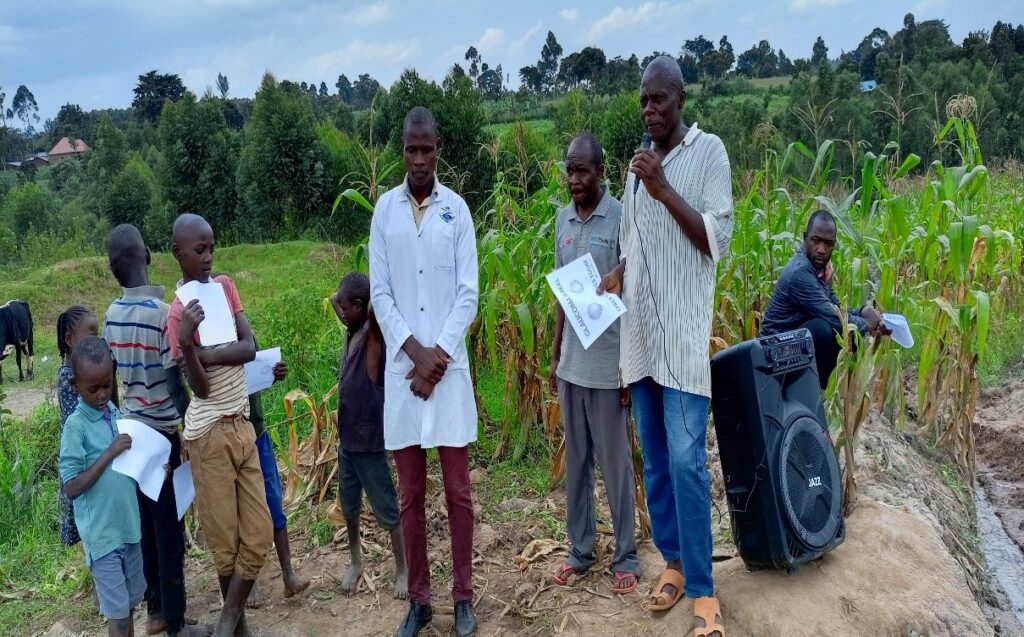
x,y
589,313
145,461
900,329
218,324
259,373
184,488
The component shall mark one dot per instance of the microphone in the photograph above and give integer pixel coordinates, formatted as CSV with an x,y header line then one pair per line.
x,y
645,143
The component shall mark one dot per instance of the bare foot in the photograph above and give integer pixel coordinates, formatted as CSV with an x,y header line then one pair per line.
x,y
199,630
351,579
293,584
402,584
156,624
255,599
242,628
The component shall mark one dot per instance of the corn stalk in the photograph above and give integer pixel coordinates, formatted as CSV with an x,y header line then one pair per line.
x,y
310,466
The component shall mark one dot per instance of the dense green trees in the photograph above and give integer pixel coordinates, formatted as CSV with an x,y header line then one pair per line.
x,y
272,166
152,91
198,160
281,180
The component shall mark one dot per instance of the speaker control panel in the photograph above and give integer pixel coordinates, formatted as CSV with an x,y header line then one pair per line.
x,y
787,351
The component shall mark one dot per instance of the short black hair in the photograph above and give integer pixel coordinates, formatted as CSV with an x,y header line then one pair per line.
x,y
185,222
91,349
355,286
125,245
417,117
66,323
821,215
593,146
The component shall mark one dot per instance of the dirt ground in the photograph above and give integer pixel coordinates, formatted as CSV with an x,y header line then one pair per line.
x,y
894,575
1001,454
22,398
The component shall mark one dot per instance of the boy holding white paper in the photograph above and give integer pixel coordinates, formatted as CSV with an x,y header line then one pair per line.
x,y
219,438
106,508
293,584
135,329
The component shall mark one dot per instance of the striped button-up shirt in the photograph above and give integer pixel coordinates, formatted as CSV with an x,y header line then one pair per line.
x,y
669,284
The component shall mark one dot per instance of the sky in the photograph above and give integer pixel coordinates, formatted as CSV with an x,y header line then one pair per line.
x,y
92,52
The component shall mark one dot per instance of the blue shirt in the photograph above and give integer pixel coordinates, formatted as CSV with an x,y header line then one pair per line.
x,y
801,295
107,514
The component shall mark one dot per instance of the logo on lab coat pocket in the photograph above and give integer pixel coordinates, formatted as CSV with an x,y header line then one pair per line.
x,y
446,214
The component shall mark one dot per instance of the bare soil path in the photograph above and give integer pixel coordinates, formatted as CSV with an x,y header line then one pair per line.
x,y
894,575
22,399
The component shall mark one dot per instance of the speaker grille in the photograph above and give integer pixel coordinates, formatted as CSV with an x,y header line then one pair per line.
x,y
811,492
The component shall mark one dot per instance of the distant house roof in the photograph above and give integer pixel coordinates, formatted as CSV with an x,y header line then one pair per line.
x,y
868,85
68,147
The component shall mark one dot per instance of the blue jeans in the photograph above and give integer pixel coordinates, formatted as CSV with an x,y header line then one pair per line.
x,y
271,481
673,430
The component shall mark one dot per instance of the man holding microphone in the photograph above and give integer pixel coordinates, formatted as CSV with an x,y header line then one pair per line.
x,y
676,224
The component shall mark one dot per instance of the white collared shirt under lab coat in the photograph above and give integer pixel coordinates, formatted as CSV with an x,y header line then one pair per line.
x,y
425,283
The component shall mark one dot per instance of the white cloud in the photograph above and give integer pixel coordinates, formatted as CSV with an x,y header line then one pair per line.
x,y
371,14
10,38
810,5
621,19
518,44
570,15
176,7
492,38
924,6
359,52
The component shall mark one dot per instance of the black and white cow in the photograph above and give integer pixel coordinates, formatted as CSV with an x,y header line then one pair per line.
x,y
16,334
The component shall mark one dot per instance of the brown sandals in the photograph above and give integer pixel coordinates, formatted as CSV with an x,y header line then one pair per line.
x,y
705,609
660,599
708,610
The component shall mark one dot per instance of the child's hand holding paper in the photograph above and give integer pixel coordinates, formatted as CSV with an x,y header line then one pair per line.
x,y
210,312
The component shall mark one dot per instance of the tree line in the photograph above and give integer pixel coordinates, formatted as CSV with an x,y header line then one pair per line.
x,y
271,167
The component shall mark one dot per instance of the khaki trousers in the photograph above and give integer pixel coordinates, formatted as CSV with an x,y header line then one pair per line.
x,y
230,499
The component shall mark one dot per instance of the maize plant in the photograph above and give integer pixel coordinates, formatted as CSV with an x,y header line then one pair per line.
x,y
937,254
932,247
517,314
310,466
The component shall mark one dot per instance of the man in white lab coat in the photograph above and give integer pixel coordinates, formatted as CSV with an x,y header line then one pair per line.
x,y
424,288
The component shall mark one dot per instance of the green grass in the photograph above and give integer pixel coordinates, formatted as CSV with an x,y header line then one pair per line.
x,y
39,577
759,83
1004,351
284,288
545,127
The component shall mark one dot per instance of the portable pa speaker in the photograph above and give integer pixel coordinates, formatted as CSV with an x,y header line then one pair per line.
x,y
781,473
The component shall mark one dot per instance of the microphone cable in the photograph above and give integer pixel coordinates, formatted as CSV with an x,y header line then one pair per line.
x,y
664,335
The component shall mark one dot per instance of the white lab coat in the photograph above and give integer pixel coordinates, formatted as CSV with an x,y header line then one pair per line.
x,y
425,283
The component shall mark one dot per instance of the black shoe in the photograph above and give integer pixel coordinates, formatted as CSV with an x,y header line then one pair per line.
x,y
465,618
418,617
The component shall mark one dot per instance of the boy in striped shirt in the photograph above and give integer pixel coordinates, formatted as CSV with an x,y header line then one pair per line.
x,y
151,389
219,437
